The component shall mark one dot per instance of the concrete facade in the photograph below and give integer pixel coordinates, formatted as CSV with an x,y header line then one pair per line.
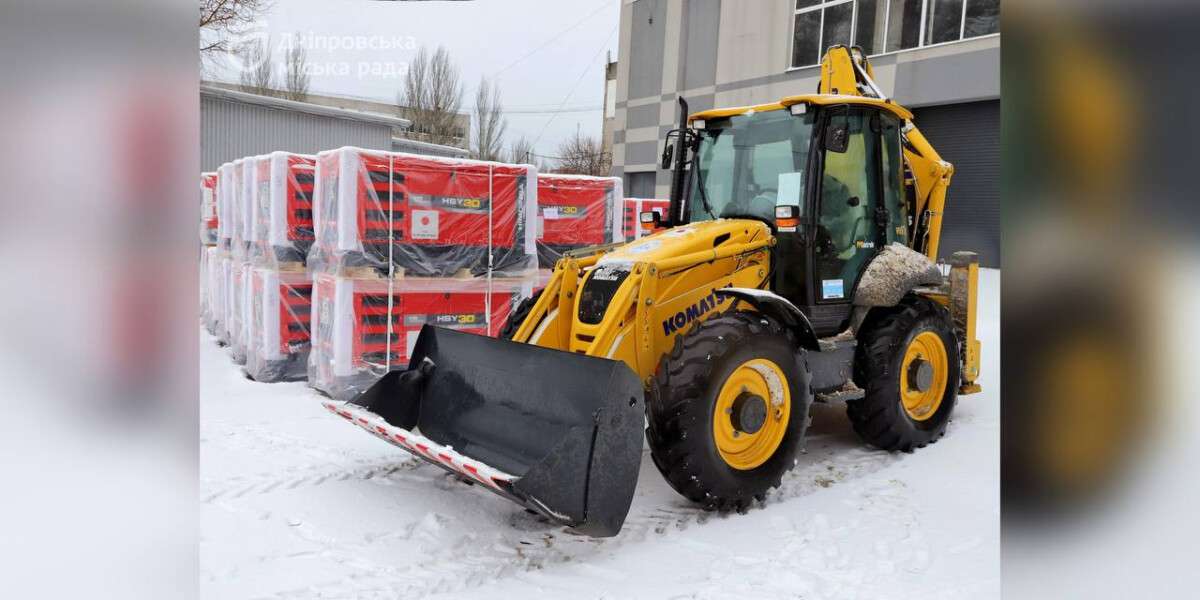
x,y
738,52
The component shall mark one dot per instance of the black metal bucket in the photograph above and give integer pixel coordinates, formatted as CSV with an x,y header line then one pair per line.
x,y
557,432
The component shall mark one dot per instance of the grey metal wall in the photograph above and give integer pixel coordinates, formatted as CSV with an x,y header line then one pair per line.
x,y
230,130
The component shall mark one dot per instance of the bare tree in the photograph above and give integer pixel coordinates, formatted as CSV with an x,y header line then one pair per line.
x,y
583,155
222,19
489,122
521,152
297,75
431,95
258,71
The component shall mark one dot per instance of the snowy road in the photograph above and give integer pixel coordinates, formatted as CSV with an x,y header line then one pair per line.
x,y
295,503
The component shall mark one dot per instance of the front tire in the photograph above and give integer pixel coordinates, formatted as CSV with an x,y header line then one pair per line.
x,y
729,409
908,363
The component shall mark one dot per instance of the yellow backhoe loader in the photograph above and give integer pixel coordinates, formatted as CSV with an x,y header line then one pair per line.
x,y
797,263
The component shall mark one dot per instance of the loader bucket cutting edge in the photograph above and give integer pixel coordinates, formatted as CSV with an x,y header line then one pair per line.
x,y
556,432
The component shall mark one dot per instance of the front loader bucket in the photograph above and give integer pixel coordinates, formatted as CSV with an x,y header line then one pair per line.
x,y
557,432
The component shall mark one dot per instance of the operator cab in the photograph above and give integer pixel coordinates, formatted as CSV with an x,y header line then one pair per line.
x,y
824,172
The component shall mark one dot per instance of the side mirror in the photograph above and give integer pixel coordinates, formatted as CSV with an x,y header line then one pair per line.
x,y
837,137
853,201
650,220
667,154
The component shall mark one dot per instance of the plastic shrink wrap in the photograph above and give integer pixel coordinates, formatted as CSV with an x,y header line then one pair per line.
x,y
208,208
226,186
576,211
241,256
278,325
362,328
211,299
398,213
282,230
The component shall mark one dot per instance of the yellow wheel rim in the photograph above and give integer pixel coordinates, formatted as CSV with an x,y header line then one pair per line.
x,y
751,414
923,374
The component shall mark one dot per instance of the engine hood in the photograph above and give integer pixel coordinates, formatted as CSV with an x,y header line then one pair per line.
x,y
686,239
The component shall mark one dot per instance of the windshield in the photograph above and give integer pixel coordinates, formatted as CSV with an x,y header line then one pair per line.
x,y
749,164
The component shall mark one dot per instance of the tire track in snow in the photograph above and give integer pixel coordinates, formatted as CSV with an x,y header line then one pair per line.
x,y
238,487
529,543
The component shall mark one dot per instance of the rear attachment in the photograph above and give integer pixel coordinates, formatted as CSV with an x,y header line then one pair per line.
x,y
556,432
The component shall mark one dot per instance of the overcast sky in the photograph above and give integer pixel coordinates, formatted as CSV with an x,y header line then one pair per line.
x,y
540,68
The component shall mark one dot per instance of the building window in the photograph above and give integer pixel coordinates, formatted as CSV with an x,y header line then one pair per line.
x,y
879,26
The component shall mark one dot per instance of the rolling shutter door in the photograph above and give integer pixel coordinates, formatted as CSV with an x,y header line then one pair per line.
x,y
968,135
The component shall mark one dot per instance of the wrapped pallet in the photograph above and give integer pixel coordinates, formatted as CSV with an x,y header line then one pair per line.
x,y
242,255
282,228
365,327
576,211
278,325
421,215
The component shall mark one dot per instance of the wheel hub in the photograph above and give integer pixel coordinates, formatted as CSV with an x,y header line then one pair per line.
x,y
923,375
751,412
920,375
748,413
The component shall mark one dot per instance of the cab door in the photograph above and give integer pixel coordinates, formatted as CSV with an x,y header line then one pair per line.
x,y
847,229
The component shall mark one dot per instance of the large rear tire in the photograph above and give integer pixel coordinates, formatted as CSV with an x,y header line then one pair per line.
x,y
908,363
728,410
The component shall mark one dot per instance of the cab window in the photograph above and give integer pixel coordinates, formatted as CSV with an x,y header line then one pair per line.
x,y
845,236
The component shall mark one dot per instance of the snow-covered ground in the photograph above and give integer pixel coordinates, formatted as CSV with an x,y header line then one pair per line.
x,y
296,503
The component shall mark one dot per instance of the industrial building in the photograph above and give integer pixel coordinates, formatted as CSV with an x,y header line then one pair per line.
x,y
939,57
234,124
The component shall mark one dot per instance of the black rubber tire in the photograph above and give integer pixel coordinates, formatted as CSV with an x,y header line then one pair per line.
x,y
879,417
518,316
682,399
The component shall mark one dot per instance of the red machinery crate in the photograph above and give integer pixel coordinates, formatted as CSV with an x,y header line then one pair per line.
x,y
279,325
208,208
637,206
246,196
283,214
430,216
352,345
576,211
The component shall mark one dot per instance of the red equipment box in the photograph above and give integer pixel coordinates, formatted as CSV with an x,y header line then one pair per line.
x,y
430,216
279,325
208,209
283,215
576,211
635,207
363,328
